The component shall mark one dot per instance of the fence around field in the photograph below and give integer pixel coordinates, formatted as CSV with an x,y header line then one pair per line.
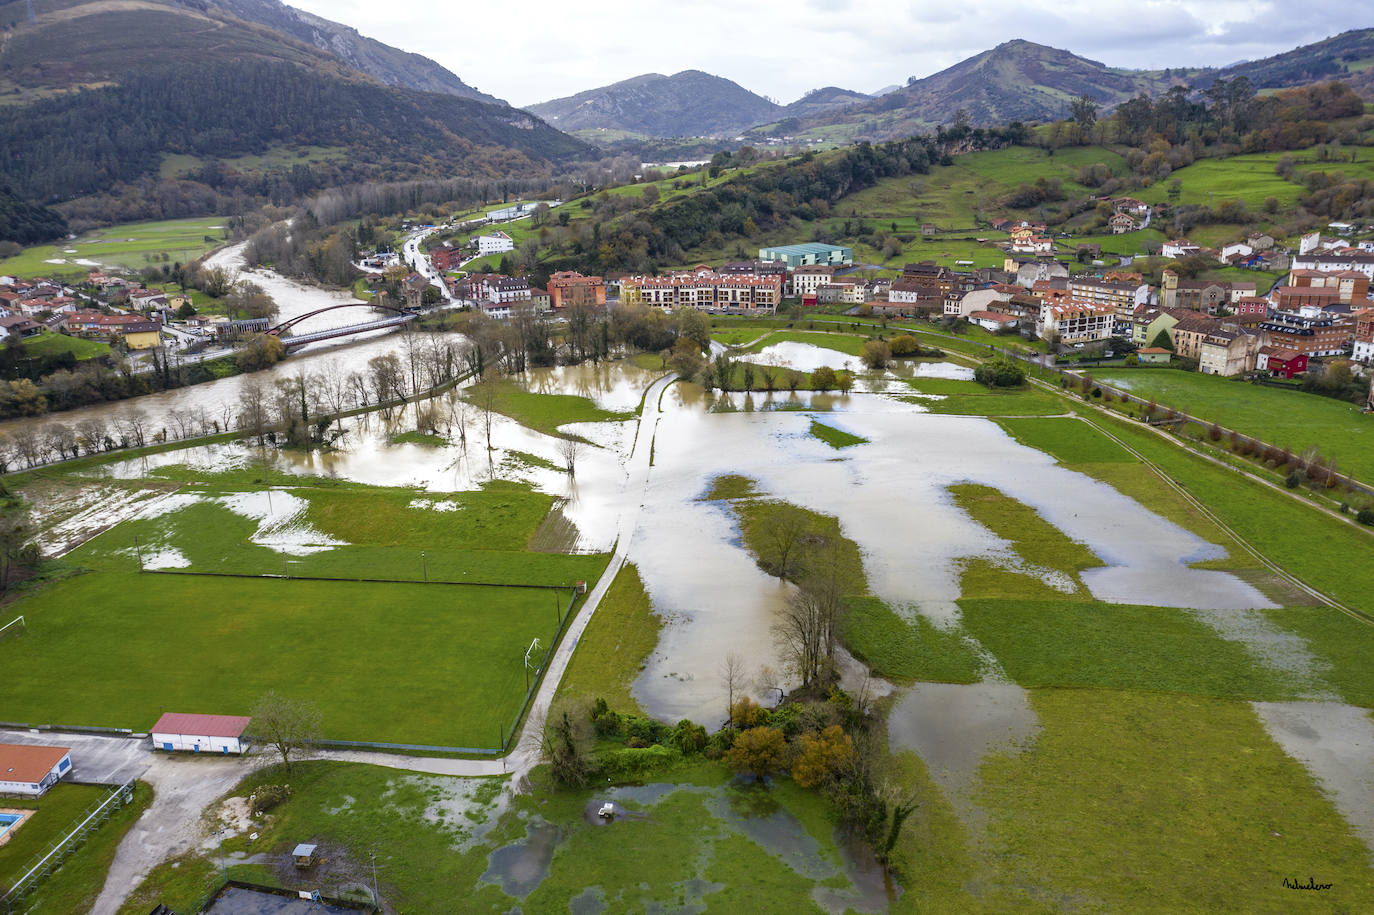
x,y
44,863
505,735
282,576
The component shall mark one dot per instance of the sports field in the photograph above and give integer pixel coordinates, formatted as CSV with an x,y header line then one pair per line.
x,y
399,661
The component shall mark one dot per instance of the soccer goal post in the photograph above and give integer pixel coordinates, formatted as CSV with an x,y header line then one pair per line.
x,y
14,628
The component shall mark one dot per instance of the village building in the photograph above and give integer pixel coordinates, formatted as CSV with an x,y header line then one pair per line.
x,y
1308,331
807,279
1227,351
1362,349
1075,323
1279,362
30,770
707,290
993,321
1198,295
221,734
494,243
808,253
567,288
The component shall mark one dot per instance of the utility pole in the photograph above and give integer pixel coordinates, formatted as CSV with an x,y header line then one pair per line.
x,y
424,564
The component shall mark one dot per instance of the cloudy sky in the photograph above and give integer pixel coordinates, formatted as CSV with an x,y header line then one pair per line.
x,y
528,51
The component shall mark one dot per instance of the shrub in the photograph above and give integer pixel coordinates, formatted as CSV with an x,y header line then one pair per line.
x,y
635,762
1293,480
1000,373
689,737
904,345
268,796
1366,516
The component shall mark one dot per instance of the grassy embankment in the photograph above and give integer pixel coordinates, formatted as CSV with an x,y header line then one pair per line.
x,y
1288,419
615,645
437,664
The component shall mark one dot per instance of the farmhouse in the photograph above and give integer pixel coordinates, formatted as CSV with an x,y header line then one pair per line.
x,y
200,733
32,770
1279,361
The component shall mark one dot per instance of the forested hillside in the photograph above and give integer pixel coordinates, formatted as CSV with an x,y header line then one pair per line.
x,y
27,224
72,145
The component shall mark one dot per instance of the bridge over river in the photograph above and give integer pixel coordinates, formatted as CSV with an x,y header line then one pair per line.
x,y
396,319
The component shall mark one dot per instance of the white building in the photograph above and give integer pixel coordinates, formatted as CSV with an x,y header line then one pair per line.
x,y
495,243
32,770
200,733
1075,322
1181,247
808,278
1309,242
977,300
1236,247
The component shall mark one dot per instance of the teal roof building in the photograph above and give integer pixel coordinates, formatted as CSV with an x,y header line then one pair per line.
x,y
808,254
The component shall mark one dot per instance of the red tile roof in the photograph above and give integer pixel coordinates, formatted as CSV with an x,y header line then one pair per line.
x,y
202,725
29,764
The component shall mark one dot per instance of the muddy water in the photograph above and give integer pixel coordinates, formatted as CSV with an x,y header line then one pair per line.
x,y
1335,743
293,298
520,867
891,497
953,727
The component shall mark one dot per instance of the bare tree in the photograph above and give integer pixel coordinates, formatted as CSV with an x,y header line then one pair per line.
x,y
568,448
134,425
732,678
253,416
286,725
27,445
59,438
486,394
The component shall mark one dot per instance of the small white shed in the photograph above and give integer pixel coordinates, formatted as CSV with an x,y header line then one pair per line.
x,y
222,734
32,770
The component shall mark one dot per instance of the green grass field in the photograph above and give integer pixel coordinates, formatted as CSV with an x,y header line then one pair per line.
x,y
51,344
835,438
58,813
1250,178
1140,801
132,245
544,412
397,661
1288,419
969,398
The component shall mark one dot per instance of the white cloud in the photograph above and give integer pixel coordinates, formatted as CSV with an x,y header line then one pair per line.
x,y
537,50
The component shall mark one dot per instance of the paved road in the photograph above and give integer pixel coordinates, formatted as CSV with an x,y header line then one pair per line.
x,y
96,759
